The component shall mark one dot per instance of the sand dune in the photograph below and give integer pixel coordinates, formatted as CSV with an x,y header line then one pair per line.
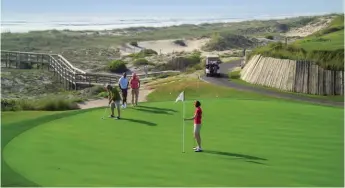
x,y
309,29
167,46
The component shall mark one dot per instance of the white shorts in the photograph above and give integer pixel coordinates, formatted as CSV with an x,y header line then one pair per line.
x,y
115,104
197,128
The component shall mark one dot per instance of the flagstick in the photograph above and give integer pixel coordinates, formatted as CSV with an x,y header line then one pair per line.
x,y
183,125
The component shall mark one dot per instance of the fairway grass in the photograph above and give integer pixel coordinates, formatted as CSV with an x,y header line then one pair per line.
x,y
246,143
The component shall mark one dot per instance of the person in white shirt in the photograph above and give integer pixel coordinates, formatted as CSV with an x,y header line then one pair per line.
x,y
123,84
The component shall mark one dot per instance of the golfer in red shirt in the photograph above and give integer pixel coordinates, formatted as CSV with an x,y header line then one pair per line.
x,y
197,125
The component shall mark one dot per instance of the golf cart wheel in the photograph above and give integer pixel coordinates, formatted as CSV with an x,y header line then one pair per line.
x,y
207,75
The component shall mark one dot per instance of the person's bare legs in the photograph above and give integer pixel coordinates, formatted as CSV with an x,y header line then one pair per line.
x,y
118,112
198,139
112,106
118,108
197,136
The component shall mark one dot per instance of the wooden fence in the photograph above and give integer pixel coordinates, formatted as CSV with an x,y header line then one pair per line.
x,y
65,72
293,76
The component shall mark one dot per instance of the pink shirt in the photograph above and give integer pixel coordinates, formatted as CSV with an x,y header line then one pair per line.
x,y
134,83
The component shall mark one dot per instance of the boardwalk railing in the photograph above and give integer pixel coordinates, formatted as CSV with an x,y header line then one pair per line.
x,y
65,72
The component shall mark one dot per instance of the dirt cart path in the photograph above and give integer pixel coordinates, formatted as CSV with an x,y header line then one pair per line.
x,y
143,93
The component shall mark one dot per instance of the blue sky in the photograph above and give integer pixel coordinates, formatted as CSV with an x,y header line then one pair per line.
x,y
165,7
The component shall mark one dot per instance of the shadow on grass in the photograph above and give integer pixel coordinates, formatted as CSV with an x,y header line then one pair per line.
x,y
140,121
9,177
152,111
247,158
156,108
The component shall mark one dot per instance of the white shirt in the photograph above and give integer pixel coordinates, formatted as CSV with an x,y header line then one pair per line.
x,y
123,82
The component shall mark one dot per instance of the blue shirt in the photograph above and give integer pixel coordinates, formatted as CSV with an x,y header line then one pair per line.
x,y
123,83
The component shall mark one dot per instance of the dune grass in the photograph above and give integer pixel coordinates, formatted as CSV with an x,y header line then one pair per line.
x,y
56,103
268,142
326,47
330,60
330,38
57,41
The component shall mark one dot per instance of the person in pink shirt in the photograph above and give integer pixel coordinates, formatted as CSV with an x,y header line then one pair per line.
x,y
135,85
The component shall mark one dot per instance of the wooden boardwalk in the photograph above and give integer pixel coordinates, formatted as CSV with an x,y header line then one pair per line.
x,y
65,72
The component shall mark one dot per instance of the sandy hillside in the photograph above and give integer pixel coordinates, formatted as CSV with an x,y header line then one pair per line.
x,y
310,28
167,46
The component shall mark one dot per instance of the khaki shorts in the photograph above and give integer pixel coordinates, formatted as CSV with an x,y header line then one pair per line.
x,y
114,104
197,128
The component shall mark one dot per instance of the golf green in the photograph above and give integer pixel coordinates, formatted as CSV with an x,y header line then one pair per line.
x,y
246,143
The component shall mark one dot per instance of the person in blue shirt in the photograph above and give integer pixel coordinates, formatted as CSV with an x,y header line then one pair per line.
x,y
123,84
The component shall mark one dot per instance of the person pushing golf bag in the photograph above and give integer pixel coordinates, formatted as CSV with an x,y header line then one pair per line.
x,y
114,100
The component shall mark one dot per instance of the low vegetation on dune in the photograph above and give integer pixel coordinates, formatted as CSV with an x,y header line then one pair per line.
x,y
270,37
117,66
191,61
180,42
326,47
52,99
58,41
143,53
330,38
46,104
28,83
134,43
141,62
331,60
221,42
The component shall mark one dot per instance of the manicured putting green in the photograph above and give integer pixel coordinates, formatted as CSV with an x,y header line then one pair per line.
x,y
246,142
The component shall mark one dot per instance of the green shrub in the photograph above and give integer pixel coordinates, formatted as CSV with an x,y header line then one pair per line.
x,y
143,53
46,104
282,28
56,104
180,42
270,37
148,52
134,43
25,65
117,66
95,90
235,74
141,61
10,105
199,66
103,94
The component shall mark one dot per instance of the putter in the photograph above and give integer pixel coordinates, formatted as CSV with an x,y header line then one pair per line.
x,y
105,110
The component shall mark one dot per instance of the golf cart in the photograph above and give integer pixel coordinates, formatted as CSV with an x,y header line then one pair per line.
x,y
212,65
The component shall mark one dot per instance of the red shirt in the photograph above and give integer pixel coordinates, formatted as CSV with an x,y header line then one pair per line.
x,y
198,115
134,83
